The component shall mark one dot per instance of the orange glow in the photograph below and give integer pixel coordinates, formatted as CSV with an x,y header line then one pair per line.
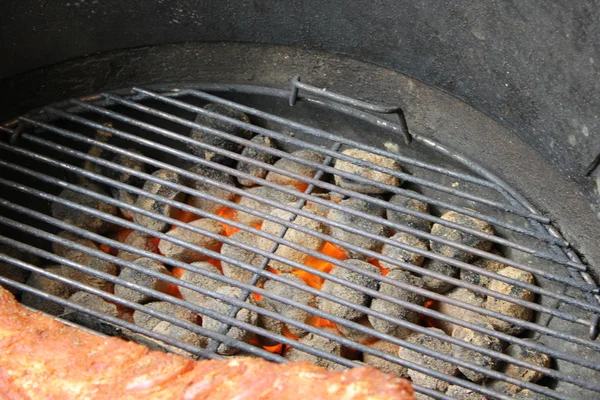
x,y
286,332
254,341
155,241
231,214
301,186
122,234
177,272
430,322
321,265
274,349
318,322
216,263
375,262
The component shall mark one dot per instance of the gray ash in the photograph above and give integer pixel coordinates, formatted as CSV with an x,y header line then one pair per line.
x,y
461,237
94,303
442,268
147,321
220,192
465,296
127,178
365,172
181,334
402,255
484,263
262,192
200,281
321,343
292,166
242,255
384,365
62,250
188,255
255,154
461,393
139,240
473,357
400,218
92,262
46,285
142,279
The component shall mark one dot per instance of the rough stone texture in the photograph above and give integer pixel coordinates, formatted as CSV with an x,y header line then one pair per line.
x,y
321,343
400,218
223,126
142,279
384,365
357,222
61,250
484,263
89,261
429,362
459,236
466,296
436,285
49,286
255,154
14,272
210,188
199,281
396,310
147,321
508,308
92,302
139,240
473,357
346,293
292,166
401,254
181,334
263,192
188,255
241,255
527,394
81,219
126,177
294,236
367,173
243,315
158,207
357,335
461,393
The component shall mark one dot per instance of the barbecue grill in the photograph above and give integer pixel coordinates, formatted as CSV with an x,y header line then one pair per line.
x,y
71,147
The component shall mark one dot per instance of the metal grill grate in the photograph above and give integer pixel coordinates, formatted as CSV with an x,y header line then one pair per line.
x,y
47,152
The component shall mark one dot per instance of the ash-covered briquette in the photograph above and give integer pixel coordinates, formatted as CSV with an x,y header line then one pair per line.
x,y
222,192
94,303
157,207
461,237
396,310
473,357
181,334
434,344
318,342
291,293
460,393
270,324
217,141
97,151
402,255
84,220
223,308
506,307
147,321
185,254
359,223
522,373
242,255
465,296
442,268
292,166
384,365
295,236
365,172
92,262
142,279
14,272
484,263
61,250
411,221
200,281
358,335
127,178
255,154
266,193
46,285
138,240
346,293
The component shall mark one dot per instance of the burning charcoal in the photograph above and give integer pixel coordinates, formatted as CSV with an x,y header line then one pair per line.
x,y
200,281
508,308
316,208
292,166
320,343
518,372
92,262
466,296
181,334
527,394
293,294
147,321
97,151
484,263
157,207
384,365
223,308
436,364
263,192
400,218
440,267
61,250
140,278
185,254
359,223
49,286
358,335
84,220
366,172
473,357
403,255
138,240
127,178
461,393
12,271
294,236
257,155
209,188
270,324
94,303
242,255
461,237
395,310
346,293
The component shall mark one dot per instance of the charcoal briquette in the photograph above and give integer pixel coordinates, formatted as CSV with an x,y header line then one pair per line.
x,y
256,154
365,172
142,279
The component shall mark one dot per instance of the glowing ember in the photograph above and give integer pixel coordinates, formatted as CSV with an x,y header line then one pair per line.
x,y
231,214
430,322
375,262
274,349
321,265
318,322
